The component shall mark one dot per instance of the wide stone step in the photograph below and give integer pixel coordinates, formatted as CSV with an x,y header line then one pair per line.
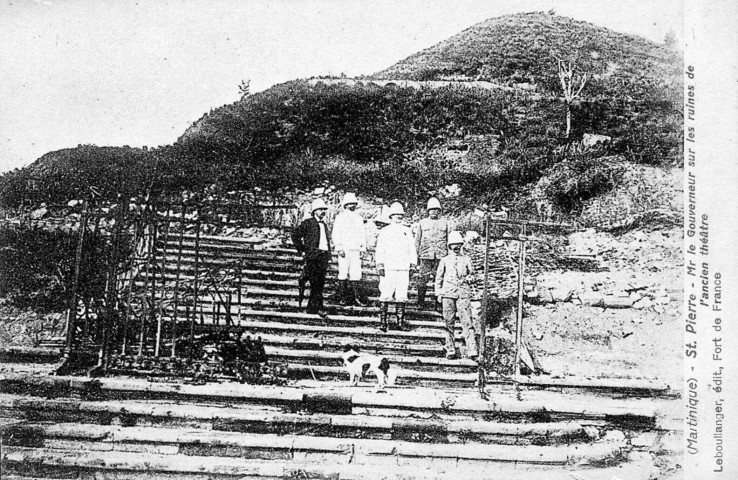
x,y
206,312
274,281
294,448
409,465
266,419
339,344
335,359
208,252
209,248
326,332
269,300
259,289
505,401
407,376
187,262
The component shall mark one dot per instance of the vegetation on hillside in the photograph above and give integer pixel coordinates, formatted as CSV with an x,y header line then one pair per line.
x,y
394,142
37,267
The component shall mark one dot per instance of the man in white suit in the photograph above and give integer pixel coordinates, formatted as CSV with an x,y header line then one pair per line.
x,y
396,259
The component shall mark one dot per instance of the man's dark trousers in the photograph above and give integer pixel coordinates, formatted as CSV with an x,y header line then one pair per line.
x,y
316,267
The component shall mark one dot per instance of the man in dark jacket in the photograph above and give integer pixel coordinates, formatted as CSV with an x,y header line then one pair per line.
x,y
312,239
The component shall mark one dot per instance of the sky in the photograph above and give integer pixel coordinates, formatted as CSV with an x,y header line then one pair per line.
x,y
137,73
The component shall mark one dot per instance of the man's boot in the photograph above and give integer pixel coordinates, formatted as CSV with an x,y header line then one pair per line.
x,y
422,288
401,325
383,308
356,294
342,292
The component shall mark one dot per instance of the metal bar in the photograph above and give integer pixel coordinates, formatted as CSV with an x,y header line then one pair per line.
x,y
229,304
519,319
167,220
176,279
137,237
150,259
72,312
89,302
111,287
240,286
483,320
216,309
195,286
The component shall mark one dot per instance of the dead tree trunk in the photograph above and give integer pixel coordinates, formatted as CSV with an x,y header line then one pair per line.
x,y
572,85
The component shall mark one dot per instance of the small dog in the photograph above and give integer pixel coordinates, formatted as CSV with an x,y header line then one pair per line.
x,y
358,365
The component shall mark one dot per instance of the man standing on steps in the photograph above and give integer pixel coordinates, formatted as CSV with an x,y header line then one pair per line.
x,y
430,242
349,240
396,259
453,293
312,239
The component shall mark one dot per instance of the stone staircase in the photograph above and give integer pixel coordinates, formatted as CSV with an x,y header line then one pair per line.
x,y
72,427
431,425
267,307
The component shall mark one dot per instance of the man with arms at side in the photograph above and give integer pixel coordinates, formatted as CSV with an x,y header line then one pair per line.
x,y
396,260
430,242
312,239
349,240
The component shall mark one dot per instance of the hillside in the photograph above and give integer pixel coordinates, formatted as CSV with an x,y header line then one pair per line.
x,y
407,142
523,48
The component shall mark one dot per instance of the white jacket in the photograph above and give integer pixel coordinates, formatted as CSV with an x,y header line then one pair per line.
x,y
348,232
396,248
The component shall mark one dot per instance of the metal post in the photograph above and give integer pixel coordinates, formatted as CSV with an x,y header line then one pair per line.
x,y
177,275
72,312
150,259
139,236
111,291
519,319
195,286
483,320
157,347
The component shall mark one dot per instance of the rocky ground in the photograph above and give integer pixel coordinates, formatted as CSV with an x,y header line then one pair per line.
x,y
576,338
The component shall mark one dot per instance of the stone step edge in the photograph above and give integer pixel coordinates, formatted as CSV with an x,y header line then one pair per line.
x,y
355,420
647,387
206,309
398,359
182,465
113,435
306,370
580,406
292,307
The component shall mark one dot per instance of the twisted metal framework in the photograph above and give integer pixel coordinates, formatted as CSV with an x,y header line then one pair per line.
x,y
151,303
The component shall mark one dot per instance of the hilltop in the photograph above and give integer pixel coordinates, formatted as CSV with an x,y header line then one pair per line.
x,y
522,50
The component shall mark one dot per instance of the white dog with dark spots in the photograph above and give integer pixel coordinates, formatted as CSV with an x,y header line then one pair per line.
x,y
359,364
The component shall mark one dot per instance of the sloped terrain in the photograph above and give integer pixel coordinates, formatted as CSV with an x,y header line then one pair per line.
x,y
524,48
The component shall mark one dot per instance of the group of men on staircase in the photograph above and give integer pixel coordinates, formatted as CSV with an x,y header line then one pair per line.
x,y
434,249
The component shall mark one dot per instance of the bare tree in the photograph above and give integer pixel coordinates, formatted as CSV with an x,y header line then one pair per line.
x,y
572,84
245,88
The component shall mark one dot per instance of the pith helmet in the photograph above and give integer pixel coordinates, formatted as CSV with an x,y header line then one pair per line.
x,y
382,216
318,204
454,238
396,209
433,203
348,199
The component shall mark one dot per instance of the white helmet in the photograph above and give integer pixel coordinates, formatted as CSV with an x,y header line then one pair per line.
x,y
396,209
454,238
433,203
318,204
348,199
382,216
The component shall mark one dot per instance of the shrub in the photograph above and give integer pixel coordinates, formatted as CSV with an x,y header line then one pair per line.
x,y
580,177
37,267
